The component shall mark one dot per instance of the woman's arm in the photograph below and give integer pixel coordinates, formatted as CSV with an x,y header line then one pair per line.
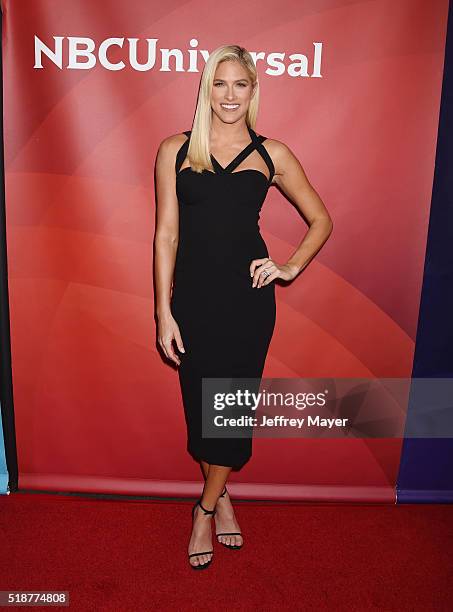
x,y
166,244
291,178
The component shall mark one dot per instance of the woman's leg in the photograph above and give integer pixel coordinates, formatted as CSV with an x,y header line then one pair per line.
x,y
204,468
214,484
225,518
201,538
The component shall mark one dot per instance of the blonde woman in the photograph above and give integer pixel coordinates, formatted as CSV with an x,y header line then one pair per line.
x,y
215,292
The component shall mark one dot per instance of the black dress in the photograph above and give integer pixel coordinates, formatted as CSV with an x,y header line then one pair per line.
x,y
226,325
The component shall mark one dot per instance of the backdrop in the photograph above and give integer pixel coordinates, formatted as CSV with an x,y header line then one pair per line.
x,y
353,88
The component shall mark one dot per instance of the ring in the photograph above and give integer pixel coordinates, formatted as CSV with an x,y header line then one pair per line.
x,y
266,273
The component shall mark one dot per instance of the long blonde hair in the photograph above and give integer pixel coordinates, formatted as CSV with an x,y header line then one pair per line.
x,y
198,150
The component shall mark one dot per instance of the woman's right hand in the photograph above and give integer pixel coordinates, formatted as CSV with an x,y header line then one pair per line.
x,y
167,331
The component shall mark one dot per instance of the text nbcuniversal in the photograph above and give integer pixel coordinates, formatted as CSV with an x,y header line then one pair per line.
x,y
83,53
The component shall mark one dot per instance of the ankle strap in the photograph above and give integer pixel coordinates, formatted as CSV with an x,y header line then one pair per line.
x,y
204,509
223,493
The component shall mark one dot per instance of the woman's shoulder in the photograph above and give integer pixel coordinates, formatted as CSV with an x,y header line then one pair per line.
x,y
277,149
169,147
173,141
275,146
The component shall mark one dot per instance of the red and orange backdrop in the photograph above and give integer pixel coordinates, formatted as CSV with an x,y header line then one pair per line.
x,y
353,88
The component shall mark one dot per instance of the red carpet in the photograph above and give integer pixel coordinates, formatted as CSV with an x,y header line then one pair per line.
x,y
131,555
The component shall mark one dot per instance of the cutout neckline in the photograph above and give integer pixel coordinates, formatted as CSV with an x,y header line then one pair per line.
x,y
254,144
240,156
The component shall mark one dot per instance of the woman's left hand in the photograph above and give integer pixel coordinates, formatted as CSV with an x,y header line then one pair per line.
x,y
271,271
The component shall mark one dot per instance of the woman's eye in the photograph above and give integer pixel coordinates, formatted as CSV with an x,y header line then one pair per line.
x,y
240,84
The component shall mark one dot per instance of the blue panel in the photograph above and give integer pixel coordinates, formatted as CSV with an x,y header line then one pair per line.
x,y
3,471
426,470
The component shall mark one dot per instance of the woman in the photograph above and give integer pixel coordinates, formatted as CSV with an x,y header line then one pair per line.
x,y
211,183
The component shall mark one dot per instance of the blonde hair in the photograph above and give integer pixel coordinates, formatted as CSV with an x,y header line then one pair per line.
x,y
198,150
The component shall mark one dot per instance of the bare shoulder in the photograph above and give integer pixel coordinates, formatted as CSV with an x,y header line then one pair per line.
x,y
170,145
277,149
282,157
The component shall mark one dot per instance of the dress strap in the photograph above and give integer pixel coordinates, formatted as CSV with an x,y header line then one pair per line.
x,y
257,143
182,153
239,157
265,155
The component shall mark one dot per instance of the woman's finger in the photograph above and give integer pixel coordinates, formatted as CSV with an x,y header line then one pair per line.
x,y
178,341
262,278
259,271
257,262
271,277
170,351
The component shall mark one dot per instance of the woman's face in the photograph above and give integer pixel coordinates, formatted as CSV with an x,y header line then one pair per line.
x,y
232,87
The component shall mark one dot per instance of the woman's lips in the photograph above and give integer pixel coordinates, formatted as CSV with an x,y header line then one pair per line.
x,y
230,107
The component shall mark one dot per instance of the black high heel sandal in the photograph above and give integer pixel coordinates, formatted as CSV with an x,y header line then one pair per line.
x,y
206,552
233,547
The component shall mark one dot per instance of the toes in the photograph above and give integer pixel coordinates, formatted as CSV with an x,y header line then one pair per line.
x,y
200,560
205,559
235,540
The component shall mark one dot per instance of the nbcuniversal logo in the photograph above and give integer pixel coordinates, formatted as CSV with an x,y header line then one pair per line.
x,y
83,53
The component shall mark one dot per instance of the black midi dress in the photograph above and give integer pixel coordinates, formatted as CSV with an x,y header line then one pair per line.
x,y
226,324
